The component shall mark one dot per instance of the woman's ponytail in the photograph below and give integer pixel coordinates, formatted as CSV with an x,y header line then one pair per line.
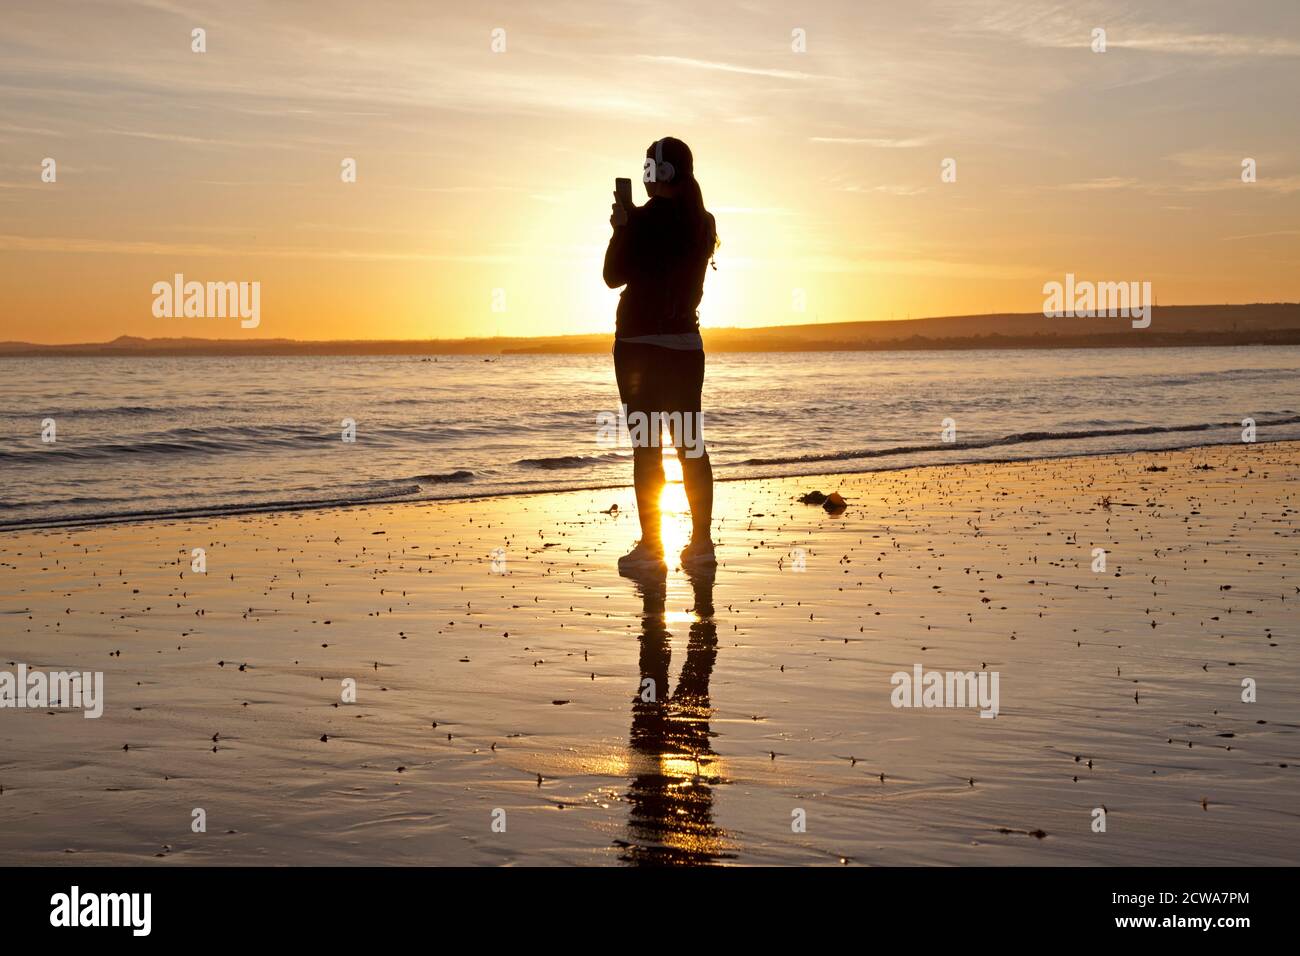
x,y
702,225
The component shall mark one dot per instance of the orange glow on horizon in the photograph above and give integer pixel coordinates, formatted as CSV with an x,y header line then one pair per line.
x,y
483,181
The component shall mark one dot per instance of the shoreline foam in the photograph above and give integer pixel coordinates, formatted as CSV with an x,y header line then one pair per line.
x,y
833,467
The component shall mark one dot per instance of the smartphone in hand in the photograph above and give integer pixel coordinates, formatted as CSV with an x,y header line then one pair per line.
x,y
623,192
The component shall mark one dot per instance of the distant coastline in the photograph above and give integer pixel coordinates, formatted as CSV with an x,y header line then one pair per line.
x,y
1172,326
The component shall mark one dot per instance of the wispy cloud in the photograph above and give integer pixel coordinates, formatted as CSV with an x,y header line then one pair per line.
x,y
1263,235
886,188
877,142
127,247
1069,26
1105,182
730,67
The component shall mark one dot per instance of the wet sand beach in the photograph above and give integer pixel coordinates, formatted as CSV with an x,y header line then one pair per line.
x,y
502,669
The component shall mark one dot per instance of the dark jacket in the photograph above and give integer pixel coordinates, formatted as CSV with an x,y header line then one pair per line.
x,y
662,264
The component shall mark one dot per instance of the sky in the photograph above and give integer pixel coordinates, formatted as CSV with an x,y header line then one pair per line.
x,y
483,178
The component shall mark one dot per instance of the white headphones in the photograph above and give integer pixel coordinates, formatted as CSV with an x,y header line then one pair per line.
x,y
664,171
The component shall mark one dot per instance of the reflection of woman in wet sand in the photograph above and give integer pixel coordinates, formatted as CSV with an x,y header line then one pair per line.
x,y
672,758
660,252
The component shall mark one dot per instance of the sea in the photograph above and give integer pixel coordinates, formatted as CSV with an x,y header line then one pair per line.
x,y
92,440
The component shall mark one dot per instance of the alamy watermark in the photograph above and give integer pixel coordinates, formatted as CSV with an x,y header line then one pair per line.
x,y
208,300
645,429
946,689
1092,299
82,690
76,908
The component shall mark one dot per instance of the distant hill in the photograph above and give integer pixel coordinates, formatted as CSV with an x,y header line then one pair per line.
x,y
1172,325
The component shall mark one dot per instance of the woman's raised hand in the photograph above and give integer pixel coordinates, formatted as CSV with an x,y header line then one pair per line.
x,y
619,215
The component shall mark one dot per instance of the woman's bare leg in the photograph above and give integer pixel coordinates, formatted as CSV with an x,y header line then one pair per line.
x,y
697,476
648,478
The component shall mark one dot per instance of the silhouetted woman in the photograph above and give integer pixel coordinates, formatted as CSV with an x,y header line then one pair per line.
x,y
660,252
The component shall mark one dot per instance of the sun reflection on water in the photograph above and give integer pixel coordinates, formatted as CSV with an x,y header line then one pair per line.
x,y
673,767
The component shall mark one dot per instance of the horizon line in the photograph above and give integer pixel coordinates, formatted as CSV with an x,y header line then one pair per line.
x,y
251,341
